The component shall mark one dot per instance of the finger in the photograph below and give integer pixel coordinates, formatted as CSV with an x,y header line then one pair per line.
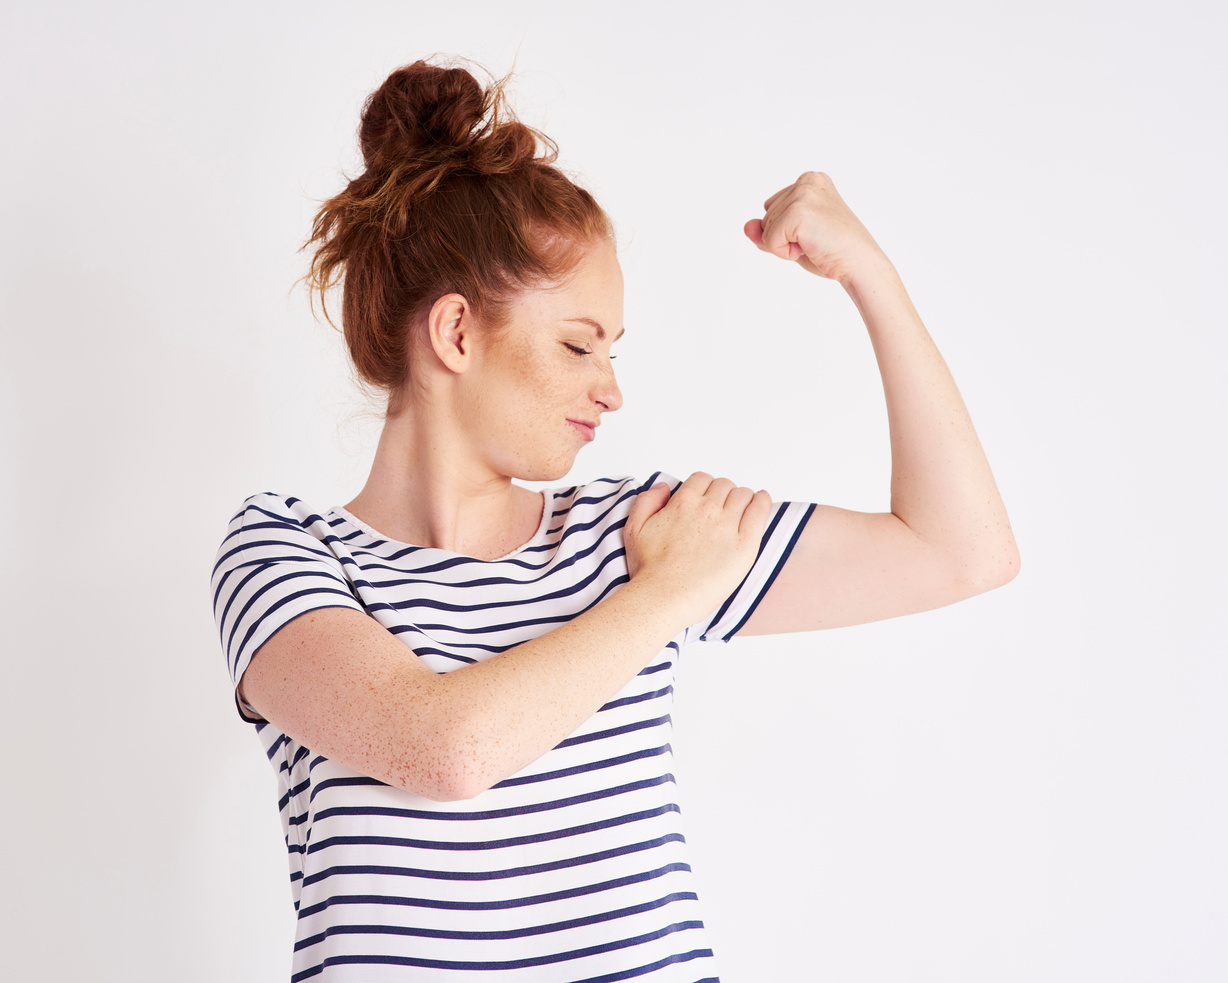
x,y
720,490
737,502
754,232
697,483
755,518
778,241
767,205
647,504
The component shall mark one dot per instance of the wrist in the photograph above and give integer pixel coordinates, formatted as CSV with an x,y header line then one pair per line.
x,y
661,604
867,272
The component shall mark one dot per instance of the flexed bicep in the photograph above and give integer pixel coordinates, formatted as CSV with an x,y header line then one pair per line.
x,y
850,568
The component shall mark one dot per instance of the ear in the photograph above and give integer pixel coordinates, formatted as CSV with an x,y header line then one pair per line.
x,y
449,326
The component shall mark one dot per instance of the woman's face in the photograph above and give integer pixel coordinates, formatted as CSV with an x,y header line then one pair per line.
x,y
540,385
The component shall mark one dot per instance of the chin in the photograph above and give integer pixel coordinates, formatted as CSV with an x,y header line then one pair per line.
x,y
552,473
544,470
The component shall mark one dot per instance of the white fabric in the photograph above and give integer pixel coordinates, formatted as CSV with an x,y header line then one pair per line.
x,y
573,869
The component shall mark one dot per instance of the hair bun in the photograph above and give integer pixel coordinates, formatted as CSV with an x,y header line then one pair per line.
x,y
458,196
419,110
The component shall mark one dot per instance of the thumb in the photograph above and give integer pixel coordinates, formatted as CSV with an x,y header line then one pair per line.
x,y
785,248
647,504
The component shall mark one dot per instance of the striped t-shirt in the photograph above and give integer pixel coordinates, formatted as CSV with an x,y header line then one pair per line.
x,y
574,868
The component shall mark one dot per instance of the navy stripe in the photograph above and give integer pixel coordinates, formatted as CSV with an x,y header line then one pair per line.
x,y
504,873
531,622
763,541
308,545
448,904
469,845
328,600
457,561
627,701
276,745
341,782
558,773
332,583
290,793
422,651
548,776
506,964
513,626
510,933
571,589
419,574
602,735
780,564
594,818
630,974
659,666
530,808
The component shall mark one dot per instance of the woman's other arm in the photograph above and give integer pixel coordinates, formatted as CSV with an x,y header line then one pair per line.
x,y
947,535
337,682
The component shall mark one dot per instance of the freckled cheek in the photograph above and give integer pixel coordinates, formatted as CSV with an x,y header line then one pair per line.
x,y
525,400
543,388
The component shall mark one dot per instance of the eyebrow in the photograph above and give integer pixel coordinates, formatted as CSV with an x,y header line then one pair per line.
x,y
596,326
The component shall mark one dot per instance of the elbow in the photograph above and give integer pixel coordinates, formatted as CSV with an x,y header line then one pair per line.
x,y
1006,568
450,763
1011,568
445,782
460,786
985,571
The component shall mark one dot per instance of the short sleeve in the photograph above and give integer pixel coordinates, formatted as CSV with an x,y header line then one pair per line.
x,y
785,525
276,563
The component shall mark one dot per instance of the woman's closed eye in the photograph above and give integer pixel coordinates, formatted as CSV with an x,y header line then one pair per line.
x,y
576,350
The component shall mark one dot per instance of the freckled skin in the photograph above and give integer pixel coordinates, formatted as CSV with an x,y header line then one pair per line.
x,y
496,407
337,682
488,405
526,382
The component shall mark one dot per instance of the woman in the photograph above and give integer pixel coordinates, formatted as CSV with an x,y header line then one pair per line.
x,y
464,686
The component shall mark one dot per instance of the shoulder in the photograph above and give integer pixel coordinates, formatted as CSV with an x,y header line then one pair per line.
x,y
271,513
601,489
610,497
269,523
273,507
590,517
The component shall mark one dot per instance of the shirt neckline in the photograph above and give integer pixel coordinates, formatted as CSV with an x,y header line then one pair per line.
x,y
543,527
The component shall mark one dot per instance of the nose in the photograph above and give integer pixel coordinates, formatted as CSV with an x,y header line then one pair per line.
x,y
606,393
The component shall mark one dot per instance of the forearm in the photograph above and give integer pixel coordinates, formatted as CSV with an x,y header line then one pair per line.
x,y
942,487
496,716
337,682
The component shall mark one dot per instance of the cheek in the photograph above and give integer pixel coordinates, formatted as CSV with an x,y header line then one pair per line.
x,y
527,388
539,375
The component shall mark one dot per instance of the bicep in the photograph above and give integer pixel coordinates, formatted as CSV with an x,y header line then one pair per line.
x,y
849,568
337,682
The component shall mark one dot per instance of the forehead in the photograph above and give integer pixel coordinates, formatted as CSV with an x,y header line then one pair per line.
x,y
591,296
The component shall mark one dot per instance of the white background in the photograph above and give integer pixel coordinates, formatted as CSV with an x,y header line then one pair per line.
x,y
1027,786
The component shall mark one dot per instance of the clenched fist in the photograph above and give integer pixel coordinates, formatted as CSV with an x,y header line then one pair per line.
x,y
809,223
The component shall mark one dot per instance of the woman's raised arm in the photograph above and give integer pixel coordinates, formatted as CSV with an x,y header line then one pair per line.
x,y
337,682
947,535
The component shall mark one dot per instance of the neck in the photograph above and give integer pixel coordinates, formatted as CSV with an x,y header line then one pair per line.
x,y
425,491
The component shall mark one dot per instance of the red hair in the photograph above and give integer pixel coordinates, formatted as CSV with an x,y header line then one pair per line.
x,y
458,196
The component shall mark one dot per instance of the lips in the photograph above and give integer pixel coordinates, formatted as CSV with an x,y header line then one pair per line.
x,y
586,430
